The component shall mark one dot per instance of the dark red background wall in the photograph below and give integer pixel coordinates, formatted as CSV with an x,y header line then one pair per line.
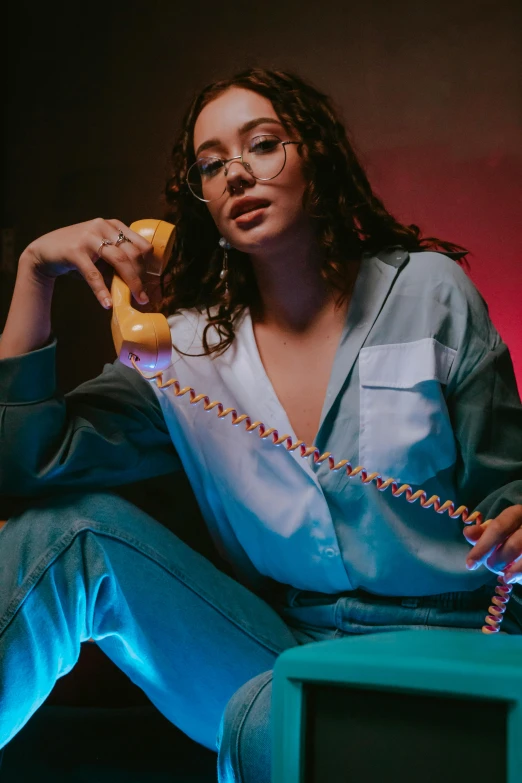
x,y
431,91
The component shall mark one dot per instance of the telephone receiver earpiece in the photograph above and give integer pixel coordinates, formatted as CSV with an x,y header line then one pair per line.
x,y
144,336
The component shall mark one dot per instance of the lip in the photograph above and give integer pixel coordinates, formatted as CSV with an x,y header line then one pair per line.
x,y
245,205
249,217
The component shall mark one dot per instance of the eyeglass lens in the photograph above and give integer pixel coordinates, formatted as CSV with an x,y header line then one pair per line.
x,y
263,157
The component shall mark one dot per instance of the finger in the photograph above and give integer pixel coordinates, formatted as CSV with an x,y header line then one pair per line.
x,y
100,236
106,270
94,278
127,268
513,572
110,228
506,553
494,532
143,246
135,250
472,533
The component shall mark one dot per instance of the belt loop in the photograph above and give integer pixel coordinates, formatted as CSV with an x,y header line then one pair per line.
x,y
410,603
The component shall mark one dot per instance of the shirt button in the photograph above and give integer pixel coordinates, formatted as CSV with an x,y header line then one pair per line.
x,y
361,326
330,551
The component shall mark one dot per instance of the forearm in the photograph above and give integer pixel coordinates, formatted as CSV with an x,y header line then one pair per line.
x,y
28,324
107,432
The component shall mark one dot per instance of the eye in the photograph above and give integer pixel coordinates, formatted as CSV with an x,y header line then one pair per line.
x,y
209,167
261,145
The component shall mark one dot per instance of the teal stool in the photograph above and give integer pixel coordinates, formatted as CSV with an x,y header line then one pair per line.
x,y
406,706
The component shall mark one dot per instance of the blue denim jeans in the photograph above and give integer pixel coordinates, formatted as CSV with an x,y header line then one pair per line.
x,y
199,644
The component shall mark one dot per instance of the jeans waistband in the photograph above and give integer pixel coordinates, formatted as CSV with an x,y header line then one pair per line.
x,y
464,599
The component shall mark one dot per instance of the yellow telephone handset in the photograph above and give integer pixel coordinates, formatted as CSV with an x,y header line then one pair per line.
x,y
146,336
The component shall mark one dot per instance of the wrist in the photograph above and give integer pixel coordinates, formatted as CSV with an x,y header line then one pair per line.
x,y
28,269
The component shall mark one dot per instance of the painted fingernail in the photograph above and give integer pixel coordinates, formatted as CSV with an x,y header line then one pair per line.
x,y
143,297
107,302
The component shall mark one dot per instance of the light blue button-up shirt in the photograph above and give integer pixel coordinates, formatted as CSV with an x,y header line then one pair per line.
x,y
422,390
415,330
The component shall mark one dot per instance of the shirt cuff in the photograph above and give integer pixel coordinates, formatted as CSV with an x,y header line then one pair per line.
x,y
29,378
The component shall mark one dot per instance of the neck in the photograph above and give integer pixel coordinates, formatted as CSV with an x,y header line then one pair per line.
x,y
292,295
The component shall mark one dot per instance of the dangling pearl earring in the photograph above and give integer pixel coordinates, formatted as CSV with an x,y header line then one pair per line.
x,y
224,272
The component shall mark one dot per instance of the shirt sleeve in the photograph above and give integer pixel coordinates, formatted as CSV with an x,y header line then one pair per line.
x,y
486,413
108,431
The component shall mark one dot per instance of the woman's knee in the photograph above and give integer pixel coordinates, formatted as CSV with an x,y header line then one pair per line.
x,y
55,522
76,506
244,739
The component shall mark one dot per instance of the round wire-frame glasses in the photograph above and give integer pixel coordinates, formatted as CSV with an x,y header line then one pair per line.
x,y
195,168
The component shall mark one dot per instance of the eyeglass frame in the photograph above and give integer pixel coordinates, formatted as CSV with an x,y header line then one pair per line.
x,y
245,165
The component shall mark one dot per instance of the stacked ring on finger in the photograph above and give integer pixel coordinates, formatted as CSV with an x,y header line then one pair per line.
x,y
122,238
102,244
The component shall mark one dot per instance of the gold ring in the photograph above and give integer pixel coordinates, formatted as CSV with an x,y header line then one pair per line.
x,y
122,238
102,244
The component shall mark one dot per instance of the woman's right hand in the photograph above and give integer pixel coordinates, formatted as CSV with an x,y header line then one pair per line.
x,y
79,247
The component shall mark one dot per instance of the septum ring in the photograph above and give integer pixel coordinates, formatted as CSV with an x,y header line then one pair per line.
x,y
102,244
122,238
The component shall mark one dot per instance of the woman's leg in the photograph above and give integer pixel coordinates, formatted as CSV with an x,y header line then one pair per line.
x,y
95,566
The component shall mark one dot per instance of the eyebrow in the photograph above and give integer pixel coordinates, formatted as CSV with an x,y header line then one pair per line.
x,y
243,129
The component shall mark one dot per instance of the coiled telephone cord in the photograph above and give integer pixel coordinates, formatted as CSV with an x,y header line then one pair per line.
x,y
503,590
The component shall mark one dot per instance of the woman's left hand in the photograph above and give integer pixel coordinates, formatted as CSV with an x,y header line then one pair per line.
x,y
498,544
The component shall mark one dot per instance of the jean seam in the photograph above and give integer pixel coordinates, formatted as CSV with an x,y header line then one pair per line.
x,y
50,555
45,561
337,614
358,629
242,716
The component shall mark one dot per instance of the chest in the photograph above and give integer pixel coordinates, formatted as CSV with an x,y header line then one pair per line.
x,y
299,369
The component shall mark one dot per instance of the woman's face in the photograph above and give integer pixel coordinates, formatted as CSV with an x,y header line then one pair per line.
x,y
220,128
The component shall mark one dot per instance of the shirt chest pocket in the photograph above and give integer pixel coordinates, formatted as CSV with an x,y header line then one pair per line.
x,y
405,430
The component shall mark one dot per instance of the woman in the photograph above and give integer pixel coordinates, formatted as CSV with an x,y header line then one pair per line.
x,y
294,297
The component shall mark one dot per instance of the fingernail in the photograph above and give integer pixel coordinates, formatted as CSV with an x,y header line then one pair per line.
x,y
107,302
472,565
143,297
509,578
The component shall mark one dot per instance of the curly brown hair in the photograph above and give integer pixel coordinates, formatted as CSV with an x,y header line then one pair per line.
x,y
349,218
